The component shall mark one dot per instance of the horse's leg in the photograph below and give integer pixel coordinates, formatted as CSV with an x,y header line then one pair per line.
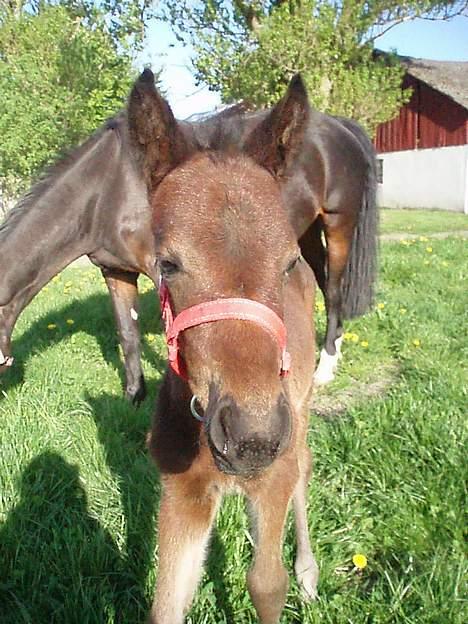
x,y
305,566
267,579
314,252
123,290
185,520
338,234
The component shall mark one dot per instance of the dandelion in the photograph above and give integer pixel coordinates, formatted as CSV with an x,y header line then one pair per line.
x,y
403,310
70,321
429,249
56,278
360,561
51,326
416,342
364,344
320,306
150,337
355,338
380,306
423,239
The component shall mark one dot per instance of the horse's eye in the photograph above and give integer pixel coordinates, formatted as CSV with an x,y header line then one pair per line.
x,y
292,265
168,268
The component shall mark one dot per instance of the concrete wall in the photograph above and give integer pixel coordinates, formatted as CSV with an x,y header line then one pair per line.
x,y
427,178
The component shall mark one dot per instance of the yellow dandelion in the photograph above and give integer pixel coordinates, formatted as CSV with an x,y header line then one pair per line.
x,y
70,321
355,338
423,239
364,344
429,249
347,336
416,342
403,310
51,326
380,306
56,278
320,306
150,337
360,561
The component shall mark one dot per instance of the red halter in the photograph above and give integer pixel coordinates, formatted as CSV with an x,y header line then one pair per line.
x,y
219,310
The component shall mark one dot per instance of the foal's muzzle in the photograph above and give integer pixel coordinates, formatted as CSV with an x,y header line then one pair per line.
x,y
245,443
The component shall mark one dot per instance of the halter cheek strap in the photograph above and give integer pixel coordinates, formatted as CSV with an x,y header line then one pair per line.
x,y
219,310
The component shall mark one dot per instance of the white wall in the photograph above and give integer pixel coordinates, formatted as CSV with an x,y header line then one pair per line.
x,y
427,178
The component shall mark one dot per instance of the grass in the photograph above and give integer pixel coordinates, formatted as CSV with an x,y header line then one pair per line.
x,y
79,497
421,221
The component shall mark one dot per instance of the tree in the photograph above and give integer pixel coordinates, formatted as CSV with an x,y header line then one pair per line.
x,y
250,49
64,68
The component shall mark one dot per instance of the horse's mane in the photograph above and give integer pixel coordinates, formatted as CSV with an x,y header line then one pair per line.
x,y
48,177
223,131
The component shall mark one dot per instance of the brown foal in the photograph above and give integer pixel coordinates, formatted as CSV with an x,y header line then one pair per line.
x,y
222,234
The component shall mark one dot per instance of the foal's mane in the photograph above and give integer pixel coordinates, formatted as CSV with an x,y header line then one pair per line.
x,y
49,176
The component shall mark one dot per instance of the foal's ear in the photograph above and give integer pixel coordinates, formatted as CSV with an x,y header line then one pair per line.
x,y
155,134
275,142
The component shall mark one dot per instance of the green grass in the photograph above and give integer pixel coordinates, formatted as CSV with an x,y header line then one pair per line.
x,y
79,496
421,221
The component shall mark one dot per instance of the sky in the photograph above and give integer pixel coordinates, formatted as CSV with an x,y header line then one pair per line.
x,y
443,41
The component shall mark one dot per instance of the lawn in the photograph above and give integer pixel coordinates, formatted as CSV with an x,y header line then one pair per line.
x,y
79,496
421,221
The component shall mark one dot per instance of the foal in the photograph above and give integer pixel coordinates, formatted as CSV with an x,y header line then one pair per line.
x,y
232,283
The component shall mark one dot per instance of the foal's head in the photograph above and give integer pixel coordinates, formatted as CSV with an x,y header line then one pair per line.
x,y
221,231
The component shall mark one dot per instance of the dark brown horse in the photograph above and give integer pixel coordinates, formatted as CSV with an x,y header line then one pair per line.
x,y
232,283
94,202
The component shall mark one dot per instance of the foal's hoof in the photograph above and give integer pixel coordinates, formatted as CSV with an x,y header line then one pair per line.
x,y
6,361
307,578
136,393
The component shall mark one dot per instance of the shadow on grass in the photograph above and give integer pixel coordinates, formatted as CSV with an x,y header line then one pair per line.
x,y
58,563
94,316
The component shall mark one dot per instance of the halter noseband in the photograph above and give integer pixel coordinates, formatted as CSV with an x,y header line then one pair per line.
x,y
219,310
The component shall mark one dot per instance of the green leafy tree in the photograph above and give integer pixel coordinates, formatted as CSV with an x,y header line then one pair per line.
x,y
249,50
64,68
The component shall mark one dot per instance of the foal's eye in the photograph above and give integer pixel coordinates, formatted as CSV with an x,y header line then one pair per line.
x,y
168,268
292,265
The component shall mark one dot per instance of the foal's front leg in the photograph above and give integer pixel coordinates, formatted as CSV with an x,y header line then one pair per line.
x,y
267,580
185,521
305,566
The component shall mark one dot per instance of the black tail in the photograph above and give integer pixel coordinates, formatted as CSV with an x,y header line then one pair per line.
x,y
361,270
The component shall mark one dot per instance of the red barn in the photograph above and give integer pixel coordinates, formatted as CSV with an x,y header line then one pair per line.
x,y
423,153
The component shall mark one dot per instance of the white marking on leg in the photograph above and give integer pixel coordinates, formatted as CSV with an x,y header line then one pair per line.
x,y
2,358
9,361
134,314
338,343
326,369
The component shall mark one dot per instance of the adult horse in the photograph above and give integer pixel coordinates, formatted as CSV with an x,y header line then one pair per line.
x,y
238,300
94,202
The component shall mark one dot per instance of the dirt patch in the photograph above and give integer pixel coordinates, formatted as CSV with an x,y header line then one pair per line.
x,y
330,403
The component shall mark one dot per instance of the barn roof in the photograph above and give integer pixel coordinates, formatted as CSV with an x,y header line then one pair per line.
x,y
448,77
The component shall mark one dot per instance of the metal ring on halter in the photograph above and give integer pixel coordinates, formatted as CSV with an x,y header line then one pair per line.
x,y
195,414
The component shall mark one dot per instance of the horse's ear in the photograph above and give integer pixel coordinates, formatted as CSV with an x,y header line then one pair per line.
x,y
156,138
278,138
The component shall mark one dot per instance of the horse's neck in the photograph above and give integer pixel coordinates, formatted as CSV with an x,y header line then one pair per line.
x,y
52,226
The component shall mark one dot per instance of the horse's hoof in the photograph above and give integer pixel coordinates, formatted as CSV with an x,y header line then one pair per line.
x,y
136,393
326,369
307,579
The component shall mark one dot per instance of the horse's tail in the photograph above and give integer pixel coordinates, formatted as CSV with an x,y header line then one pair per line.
x,y
361,270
